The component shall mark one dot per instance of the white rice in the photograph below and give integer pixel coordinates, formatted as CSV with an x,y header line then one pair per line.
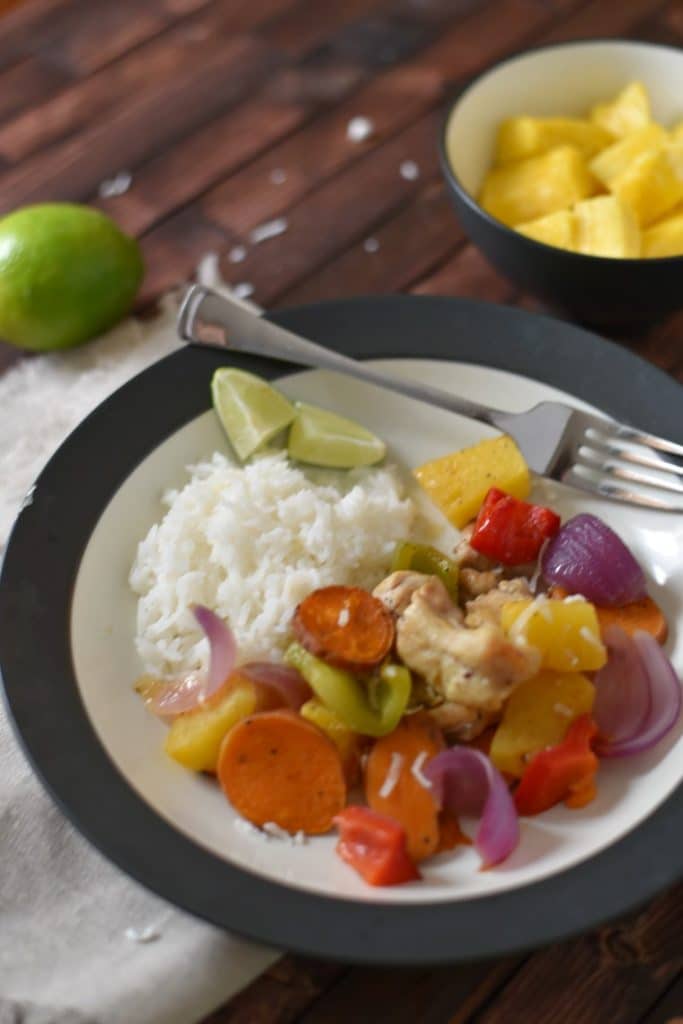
x,y
252,542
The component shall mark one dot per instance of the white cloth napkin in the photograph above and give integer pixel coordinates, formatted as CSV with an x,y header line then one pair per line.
x,y
80,943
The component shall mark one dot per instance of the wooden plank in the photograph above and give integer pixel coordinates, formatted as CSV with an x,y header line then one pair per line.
x,y
73,169
26,84
616,974
309,25
409,996
669,1009
281,994
400,251
603,19
467,273
126,80
315,153
340,212
173,250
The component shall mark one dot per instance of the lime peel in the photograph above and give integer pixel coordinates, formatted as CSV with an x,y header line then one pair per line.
x,y
323,438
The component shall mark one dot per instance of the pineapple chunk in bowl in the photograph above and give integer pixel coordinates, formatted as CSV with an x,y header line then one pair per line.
x,y
561,172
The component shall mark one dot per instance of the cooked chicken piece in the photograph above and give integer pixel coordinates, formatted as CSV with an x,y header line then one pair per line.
x,y
487,607
476,667
473,582
396,593
459,722
466,557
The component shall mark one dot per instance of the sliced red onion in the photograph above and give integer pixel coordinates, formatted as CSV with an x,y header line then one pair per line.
x,y
466,782
222,648
169,699
586,557
285,681
622,689
664,700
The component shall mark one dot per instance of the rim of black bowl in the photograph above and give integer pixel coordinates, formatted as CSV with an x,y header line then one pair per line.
x,y
450,174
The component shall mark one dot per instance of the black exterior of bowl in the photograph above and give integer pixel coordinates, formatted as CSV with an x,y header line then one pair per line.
x,y
623,294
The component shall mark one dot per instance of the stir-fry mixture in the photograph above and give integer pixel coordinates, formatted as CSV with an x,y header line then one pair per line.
x,y
487,681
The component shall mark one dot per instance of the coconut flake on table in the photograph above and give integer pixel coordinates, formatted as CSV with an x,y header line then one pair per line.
x,y
371,245
237,254
115,186
409,170
359,129
269,229
278,176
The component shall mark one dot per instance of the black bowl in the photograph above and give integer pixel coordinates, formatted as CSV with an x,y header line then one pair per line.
x,y
552,80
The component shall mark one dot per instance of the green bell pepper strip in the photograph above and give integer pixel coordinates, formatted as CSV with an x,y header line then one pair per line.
x,y
342,693
429,560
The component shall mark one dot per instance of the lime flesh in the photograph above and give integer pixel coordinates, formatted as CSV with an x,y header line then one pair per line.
x,y
322,438
250,410
67,273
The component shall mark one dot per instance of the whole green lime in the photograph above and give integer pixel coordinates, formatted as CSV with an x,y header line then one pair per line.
x,y
67,273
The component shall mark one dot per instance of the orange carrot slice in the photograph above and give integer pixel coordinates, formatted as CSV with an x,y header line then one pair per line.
x,y
345,626
644,614
393,786
276,767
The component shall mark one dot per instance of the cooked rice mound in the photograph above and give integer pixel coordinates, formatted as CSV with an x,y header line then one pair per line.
x,y
250,543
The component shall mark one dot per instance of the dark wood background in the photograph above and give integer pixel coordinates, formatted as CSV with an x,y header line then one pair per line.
x,y
201,100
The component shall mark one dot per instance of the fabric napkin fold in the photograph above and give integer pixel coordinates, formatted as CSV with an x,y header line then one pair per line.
x,y
80,943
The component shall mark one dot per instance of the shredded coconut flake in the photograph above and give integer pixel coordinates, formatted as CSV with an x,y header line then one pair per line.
x,y
272,829
571,657
237,254
416,769
278,176
371,245
518,630
562,709
344,617
586,634
359,129
243,290
270,229
115,186
573,598
409,170
392,776
245,827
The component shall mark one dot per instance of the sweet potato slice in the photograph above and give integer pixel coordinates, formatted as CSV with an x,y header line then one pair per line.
x,y
345,626
276,767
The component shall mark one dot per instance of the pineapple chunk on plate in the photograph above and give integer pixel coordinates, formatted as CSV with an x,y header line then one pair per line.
x,y
653,184
532,188
522,137
458,483
665,238
556,229
628,112
605,226
614,160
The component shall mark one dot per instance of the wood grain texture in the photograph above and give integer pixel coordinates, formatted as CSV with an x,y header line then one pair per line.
x,y
203,100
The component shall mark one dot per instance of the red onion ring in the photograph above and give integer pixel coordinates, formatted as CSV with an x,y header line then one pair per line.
x,y
285,681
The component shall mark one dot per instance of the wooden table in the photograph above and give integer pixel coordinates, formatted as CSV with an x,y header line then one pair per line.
x,y
228,114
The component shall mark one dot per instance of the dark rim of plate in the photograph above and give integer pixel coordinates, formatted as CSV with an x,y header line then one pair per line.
x,y
466,197
36,587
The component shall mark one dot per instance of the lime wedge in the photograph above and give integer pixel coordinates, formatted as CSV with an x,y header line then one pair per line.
x,y
251,411
325,439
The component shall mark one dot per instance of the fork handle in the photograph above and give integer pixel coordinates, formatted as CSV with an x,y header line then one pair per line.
x,y
211,319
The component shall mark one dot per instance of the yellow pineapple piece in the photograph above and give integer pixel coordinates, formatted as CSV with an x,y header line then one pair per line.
x,y
522,137
195,737
614,160
556,229
605,226
628,112
653,184
538,715
532,188
567,633
458,483
665,238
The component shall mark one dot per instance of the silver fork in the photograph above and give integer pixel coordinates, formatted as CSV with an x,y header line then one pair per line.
x,y
594,453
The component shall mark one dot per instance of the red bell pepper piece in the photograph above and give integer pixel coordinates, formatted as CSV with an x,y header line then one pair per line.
x,y
512,531
375,846
564,772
